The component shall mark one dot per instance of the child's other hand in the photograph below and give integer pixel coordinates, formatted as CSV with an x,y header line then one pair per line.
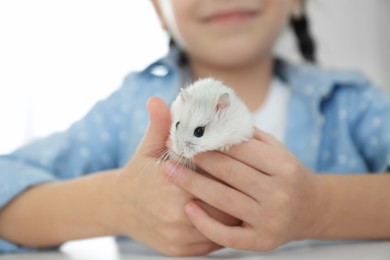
x,y
150,209
261,183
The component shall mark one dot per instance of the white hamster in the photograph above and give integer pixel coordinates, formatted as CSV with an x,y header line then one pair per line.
x,y
206,116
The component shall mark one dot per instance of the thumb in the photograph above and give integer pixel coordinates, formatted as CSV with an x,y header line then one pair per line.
x,y
157,133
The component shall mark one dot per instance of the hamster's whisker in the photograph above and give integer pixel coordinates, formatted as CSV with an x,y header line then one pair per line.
x,y
154,143
171,155
158,144
163,156
192,164
156,151
178,167
188,163
145,164
180,161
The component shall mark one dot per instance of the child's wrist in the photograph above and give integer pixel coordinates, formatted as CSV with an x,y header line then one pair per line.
x,y
107,213
322,208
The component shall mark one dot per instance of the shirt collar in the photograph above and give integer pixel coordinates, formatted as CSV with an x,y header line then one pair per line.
x,y
307,80
314,81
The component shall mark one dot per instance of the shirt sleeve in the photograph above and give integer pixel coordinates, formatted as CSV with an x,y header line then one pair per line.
x,y
89,145
371,127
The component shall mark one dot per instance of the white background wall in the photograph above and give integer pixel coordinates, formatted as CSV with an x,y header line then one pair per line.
x,y
351,34
57,58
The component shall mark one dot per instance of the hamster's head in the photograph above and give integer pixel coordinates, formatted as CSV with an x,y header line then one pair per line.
x,y
196,121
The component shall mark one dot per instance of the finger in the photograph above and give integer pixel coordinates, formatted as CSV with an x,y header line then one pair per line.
x,y
265,158
203,248
212,192
235,173
188,230
218,215
234,237
191,249
266,138
159,125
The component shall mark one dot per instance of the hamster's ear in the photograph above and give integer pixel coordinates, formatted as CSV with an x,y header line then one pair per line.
x,y
184,95
223,101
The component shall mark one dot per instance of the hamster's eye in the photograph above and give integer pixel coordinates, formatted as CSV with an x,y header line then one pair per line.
x,y
199,131
177,124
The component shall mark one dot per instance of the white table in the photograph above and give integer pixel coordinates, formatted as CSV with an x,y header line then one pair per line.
x,y
108,248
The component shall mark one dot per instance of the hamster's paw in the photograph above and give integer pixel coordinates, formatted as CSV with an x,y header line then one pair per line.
x,y
225,148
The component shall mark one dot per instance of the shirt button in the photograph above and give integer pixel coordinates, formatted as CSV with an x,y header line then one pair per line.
x,y
159,71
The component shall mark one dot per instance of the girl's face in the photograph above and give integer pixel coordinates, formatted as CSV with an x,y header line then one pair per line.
x,y
225,32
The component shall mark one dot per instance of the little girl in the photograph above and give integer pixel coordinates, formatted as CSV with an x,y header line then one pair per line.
x,y
101,177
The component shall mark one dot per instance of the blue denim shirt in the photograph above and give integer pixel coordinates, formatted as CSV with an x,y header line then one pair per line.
x,y
338,122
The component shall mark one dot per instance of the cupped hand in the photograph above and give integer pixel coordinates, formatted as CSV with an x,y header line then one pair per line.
x,y
149,208
259,182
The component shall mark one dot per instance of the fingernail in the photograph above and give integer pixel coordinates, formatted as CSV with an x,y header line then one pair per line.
x,y
170,169
190,211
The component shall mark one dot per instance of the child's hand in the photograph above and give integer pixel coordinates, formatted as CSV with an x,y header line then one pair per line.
x,y
148,207
262,184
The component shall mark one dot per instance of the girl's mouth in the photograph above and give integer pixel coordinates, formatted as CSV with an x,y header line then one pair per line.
x,y
231,17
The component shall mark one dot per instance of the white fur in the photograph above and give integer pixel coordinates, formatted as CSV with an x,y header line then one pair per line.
x,y
229,126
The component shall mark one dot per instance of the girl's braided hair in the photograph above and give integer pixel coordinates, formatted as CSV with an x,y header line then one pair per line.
x,y
306,44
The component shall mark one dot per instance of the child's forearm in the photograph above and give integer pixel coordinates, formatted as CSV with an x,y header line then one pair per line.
x,y
50,214
355,207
